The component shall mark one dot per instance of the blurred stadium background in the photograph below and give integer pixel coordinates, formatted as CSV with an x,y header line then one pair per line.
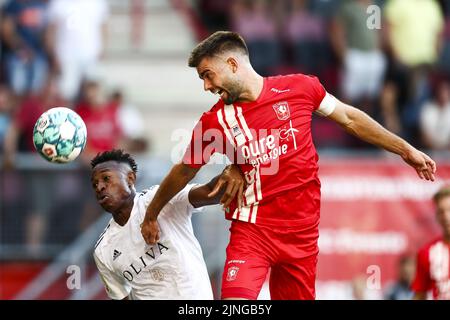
x,y
123,66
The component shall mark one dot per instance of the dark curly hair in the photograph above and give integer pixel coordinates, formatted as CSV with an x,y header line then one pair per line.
x,y
114,155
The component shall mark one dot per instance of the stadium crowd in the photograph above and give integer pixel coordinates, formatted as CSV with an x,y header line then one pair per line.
x,y
50,50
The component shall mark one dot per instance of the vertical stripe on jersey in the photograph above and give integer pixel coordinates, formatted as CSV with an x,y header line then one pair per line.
x,y
439,261
254,212
258,183
235,213
225,128
232,121
229,117
244,214
258,194
243,123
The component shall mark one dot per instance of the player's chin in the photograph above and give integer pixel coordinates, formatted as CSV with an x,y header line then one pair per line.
x,y
106,205
227,99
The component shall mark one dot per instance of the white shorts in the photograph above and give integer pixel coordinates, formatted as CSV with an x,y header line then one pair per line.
x,y
363,73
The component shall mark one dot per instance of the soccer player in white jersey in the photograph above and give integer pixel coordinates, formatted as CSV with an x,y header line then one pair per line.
x,y
173,268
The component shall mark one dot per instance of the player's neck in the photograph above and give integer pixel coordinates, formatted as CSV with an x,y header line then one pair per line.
x,y
255,85
122,215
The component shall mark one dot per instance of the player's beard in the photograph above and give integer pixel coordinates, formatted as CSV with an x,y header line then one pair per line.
x,y
233,91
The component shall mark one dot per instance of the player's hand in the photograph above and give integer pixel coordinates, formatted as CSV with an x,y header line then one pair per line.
x,y
150,231
423,164
234,181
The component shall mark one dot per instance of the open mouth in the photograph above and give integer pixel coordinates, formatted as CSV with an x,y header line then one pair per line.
x,y
103,199
220,92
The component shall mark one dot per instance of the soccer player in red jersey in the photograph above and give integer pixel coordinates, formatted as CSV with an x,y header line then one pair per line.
x,y
263,124
433,266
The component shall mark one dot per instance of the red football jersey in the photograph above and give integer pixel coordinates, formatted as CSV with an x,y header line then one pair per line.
x,y
270,139
433,270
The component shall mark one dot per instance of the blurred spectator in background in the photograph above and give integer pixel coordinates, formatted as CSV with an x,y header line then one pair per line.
x,y
77,35
2,4
5,114
433,259
100,117
401,290
414,30
19,137
254,21
389,100
131,123
306,34
444,63
214,14
435,117
358,49
23,28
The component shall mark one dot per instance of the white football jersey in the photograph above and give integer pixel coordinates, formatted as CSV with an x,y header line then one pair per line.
x,y
174,268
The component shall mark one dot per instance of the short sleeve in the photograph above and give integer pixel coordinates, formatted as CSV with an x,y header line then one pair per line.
x,y
116,288
326,106
200,148
422,281
181,199
323,102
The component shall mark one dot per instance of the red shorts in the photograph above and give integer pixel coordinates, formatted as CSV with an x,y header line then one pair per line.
x,y
289,253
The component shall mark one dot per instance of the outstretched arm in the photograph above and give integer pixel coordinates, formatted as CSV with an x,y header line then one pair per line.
x,y
213,192
174,182
359,124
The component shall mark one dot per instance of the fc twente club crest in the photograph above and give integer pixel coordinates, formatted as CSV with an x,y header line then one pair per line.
x,y
282,110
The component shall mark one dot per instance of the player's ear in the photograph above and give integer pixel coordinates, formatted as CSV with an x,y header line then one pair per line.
x,y
233,63
131,178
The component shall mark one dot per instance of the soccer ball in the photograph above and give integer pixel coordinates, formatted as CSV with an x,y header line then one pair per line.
x,y
59,135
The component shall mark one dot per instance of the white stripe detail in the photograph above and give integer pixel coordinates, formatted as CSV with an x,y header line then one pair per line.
x,y
225,128
254,213
258,183
231,118
235,213
439,261
250,194
247,131
327,105
245,213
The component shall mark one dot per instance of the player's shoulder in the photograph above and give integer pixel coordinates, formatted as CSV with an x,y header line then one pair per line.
x,y
144,197
293,77
296,82
148,191
101,242
147,194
